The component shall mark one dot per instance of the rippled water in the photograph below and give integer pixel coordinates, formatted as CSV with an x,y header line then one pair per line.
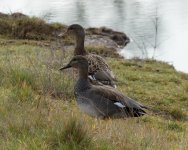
x,y
137,18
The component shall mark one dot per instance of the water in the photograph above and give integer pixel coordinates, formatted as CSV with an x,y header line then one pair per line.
x,y
134,17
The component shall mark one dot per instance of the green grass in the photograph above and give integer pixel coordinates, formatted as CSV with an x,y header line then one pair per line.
x,y
73,136
38,109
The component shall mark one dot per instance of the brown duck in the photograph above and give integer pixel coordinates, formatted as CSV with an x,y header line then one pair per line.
x,y
99,71
101,101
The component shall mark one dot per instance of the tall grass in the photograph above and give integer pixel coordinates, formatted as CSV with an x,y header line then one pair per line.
x,y
40,74
38,110
73,136
30,82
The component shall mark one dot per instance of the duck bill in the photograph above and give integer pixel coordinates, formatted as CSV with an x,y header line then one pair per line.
x,y
65,67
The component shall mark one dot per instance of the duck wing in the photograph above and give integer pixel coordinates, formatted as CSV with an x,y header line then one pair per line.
x,y
99,70
109,102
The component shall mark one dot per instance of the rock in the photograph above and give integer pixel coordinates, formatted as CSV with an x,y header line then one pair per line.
x,y
97,40
120,38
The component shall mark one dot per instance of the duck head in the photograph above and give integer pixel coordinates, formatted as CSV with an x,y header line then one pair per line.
x,y
75,30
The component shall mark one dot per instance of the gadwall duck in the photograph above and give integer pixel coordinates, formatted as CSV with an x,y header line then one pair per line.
x,y
101,101
99,71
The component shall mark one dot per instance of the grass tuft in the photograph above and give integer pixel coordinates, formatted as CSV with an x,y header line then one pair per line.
x,y
73,136
178,114
174,126
22,94
22,78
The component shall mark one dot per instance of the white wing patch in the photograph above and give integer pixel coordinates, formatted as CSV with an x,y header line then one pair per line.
x,y
91,77
119,104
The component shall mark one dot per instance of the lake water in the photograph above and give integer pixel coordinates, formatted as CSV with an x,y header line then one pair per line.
x,y
137,18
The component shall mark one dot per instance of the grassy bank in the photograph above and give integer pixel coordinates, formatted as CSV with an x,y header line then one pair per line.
x,y
37,102
38,109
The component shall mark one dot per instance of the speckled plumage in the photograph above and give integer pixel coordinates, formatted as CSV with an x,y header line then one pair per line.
x,y
99,70
98,67
101,101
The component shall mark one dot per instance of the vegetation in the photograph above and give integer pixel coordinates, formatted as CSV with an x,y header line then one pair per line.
x,y
20,26
104,51
38,109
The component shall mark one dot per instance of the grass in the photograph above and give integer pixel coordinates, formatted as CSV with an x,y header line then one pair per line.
x,y
104,51
20,26
37,103
38,109
73,136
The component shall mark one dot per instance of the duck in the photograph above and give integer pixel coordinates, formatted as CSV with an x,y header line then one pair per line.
x,y
99,71
101,101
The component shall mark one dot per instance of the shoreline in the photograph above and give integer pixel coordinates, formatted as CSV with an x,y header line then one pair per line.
x,y
21,26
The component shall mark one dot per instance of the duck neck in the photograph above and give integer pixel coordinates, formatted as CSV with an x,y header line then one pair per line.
x,y
83,82
83,72
79,47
